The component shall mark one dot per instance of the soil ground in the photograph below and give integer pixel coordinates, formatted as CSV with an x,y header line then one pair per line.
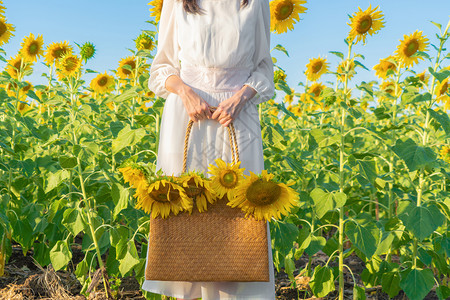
x,y
25,280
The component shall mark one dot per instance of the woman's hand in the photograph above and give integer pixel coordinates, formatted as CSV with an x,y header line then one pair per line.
x,y
196,107
228,110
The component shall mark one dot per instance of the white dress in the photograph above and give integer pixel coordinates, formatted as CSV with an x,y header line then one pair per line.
x,y
216,54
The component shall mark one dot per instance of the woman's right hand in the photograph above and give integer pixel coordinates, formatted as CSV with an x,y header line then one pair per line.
x,y
196,107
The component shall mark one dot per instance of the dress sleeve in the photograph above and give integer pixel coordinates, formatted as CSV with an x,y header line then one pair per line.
x,y
261,79
166,62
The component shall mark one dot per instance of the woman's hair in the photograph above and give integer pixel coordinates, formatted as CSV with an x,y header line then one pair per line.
x,y
191,6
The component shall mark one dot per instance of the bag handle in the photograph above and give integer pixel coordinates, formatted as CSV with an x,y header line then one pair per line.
x,y
231,135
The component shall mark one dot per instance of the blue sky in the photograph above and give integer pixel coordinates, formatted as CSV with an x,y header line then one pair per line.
x,y
112,25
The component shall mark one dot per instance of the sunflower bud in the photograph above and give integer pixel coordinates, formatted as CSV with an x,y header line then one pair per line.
x,y
144,42
87,51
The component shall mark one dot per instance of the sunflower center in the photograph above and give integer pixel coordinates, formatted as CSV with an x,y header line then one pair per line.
x,y
165,194
3,28
131,64
284,10
102,81
33,49
317,91
317,66
228,179
70,64
443,89
364,25
58,53
263,192
193,190
411,47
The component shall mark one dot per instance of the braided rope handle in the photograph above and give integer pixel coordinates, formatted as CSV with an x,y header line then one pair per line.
x,y
231,135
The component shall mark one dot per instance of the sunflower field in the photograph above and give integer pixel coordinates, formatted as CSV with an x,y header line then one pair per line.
x,y
371,212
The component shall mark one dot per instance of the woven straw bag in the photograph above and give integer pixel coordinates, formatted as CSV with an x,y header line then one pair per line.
x,y
219,244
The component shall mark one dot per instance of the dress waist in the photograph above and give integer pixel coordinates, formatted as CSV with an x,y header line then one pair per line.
x,y
214,79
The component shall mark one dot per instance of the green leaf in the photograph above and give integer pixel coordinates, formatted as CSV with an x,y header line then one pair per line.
x,y
130,260
322,281
22,232
284,234
67,162
73,221
418,283
338,54
414,156
390,283
323,140
120,198
60,255
422,221
295,165
282,49
325,201
442,118
441,75
357,63
367,169
437,25
362,238
289,266
127,137
359,293
54,179
443,292
315,245
280,85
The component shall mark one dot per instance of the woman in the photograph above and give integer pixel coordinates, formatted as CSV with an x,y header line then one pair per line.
x,y
212,53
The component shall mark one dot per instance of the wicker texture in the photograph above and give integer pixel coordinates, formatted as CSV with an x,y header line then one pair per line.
x,y
217,245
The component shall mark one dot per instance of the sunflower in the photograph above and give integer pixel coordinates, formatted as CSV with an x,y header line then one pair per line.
x,y
162,197
198,189
87,51
387,87
296,110
68,66
279,75
55,51
111,105
226,177
144,42
133,175
23,107
264,198
365,22
32,48
284,14
424,77
156,9
2,8
409,46
384,66
445,153
103,83
6,31
315,89
341,70
289,98
126,72
14,65
316,68
441,91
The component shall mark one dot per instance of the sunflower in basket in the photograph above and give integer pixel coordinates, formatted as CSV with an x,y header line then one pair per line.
x,y
263,197
198,188
158,196
226,177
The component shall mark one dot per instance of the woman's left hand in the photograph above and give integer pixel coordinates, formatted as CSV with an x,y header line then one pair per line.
x,y
228,110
